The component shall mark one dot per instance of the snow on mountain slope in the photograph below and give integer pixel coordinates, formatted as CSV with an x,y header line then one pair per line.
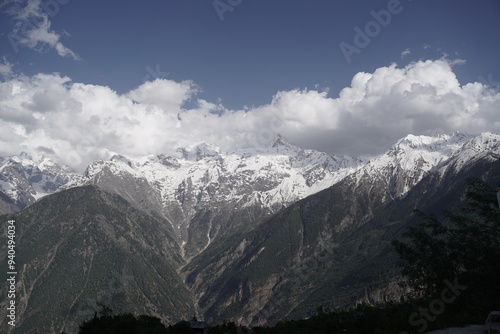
x,y
276,175
270,177
410,159
205,193
24,178
486,145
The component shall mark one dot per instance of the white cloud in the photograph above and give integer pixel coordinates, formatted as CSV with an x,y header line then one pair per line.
x,y
6,69
405,53
81,123
32,27
167,94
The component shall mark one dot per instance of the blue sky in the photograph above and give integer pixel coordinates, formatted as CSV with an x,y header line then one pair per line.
x,y
260,47
239,54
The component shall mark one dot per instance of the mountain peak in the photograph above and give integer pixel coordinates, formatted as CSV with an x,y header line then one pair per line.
x,y
280,141
486,140
35,161
412,157
199,152
485,143
25,155
431,143
23,158
121,158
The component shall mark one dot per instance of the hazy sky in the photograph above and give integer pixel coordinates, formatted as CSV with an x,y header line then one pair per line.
x,y
82,80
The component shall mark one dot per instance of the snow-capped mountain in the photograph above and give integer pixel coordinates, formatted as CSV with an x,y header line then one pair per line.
x,y
335,246
273,176
410,159
204,220
204,192
484,146
24,179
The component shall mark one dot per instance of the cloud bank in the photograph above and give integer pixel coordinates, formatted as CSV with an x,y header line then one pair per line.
x,y
77,123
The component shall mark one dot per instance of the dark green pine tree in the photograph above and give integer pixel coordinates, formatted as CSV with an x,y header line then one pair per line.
x,y
461,249
122,324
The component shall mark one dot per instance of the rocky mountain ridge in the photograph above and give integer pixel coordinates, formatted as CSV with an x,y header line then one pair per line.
x,y
282,171
278,175
203,192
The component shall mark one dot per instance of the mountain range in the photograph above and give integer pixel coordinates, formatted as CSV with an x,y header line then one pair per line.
x,y
202,192
252,236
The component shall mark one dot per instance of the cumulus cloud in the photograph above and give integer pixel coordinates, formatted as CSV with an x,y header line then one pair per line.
x,y
32,27
77,123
